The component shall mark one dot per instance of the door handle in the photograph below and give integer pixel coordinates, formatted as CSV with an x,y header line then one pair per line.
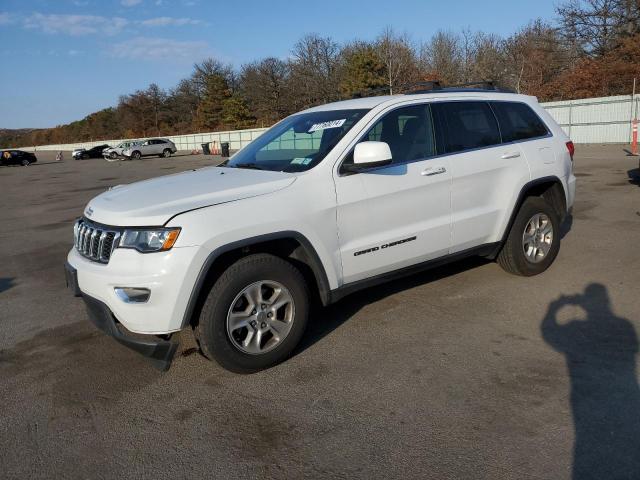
x,y
427,172
510,155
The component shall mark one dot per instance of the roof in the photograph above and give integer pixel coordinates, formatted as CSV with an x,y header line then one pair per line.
x,y
371,102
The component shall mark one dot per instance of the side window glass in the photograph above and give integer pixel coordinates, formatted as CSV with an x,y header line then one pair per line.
x,y
518,121
408,131
468,125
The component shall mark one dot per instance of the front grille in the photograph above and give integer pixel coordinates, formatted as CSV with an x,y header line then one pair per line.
x,y
93,241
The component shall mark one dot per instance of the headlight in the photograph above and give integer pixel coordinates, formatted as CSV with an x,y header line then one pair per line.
x,y
149,240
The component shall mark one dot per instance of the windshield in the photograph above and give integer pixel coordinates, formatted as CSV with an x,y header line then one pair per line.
x,y
298,143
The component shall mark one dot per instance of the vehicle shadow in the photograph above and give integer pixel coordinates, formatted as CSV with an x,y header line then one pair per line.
x,y
565,228
324,320
634,176
600,352
6,284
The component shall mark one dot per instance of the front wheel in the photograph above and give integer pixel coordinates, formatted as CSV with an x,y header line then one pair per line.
x,y
136,155
25,162
534,239
254,315
113,155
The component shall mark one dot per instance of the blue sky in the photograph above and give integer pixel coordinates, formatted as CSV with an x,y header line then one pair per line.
x,y
64,59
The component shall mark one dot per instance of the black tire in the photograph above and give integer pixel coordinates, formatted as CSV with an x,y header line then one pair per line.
x,y
136,155
113,155
211,330
166,153
25,162
512,257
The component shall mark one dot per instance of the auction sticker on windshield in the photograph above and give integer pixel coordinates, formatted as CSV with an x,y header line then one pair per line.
x,y
326,125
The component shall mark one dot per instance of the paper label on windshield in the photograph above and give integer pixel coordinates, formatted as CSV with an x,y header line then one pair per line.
x,y
301,161
326,125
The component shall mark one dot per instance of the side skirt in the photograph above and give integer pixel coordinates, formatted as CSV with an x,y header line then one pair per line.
x,y
489,250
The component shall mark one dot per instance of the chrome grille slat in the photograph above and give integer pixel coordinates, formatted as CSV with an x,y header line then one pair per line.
x,y
94,242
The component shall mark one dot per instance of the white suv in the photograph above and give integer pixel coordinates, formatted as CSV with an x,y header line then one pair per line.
x,y
326,202
160,147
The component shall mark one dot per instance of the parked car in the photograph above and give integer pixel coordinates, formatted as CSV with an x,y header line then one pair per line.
x,y
93,152
154,146
17,157
115,152
373,189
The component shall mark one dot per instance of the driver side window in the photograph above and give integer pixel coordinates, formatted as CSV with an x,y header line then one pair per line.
x,y
408,131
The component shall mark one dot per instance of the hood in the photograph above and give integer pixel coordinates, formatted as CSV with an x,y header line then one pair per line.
x,y
153,202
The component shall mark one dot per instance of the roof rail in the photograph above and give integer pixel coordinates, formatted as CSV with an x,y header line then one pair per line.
x,y
484,85
421,87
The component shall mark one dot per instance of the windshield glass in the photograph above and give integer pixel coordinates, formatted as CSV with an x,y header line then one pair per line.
x,y
298,143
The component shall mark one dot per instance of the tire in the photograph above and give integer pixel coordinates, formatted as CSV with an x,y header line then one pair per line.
x,y
136,155
217,340
521,253
166,153
25,162
113,155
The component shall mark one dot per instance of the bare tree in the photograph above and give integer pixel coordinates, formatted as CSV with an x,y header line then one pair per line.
x,y
399,58
314,70
441,58
264,85
595,25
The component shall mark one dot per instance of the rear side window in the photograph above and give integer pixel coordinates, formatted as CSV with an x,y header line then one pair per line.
x,y
467,125
518,121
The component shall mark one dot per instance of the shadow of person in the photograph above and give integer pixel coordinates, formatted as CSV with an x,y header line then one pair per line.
x,y
605,398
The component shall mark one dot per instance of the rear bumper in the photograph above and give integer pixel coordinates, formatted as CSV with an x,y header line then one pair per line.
x,y
159,351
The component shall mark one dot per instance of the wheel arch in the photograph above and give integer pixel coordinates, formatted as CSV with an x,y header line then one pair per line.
x,y
290,245
550,188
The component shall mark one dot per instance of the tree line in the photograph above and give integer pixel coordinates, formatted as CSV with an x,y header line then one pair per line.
x,y
592,49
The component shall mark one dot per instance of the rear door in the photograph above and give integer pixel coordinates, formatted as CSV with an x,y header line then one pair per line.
x,y
484,172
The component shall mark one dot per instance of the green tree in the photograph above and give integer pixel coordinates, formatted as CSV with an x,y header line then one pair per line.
x,y
362,69
236,114
210,110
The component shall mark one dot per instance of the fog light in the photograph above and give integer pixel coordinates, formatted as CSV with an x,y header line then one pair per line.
x,y
133,295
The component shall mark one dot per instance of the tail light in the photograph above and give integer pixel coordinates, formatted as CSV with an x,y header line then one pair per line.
x,y
571,149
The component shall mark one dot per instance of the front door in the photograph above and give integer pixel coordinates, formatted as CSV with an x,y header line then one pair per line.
x,y
398,215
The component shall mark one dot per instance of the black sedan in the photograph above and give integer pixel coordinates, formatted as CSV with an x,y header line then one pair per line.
x,y
94,152
17,157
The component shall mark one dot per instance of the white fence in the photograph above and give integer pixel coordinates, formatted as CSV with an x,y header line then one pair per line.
x,y
596,120
590,120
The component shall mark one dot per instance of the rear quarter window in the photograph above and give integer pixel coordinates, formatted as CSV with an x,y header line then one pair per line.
x,y
466,125
518,121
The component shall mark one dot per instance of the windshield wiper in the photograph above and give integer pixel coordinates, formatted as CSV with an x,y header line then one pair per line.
x,y
252,166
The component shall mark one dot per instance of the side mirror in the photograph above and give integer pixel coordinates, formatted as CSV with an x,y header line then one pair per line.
x,y
371,154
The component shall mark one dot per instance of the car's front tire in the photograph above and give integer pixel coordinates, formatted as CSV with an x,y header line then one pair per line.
x,y
25,162
254,315
136,155
534,239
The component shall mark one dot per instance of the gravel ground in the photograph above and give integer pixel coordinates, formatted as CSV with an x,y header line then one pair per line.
x,y
460,372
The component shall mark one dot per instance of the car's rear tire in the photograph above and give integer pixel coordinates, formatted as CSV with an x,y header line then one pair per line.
x,y
25,162
254,315
534,239
136,155
166,153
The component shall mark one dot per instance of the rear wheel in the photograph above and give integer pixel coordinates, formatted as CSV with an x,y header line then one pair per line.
x,y
254,315
533,242
166,153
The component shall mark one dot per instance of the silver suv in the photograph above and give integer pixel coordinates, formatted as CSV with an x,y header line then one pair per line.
x,y
115,152
154,146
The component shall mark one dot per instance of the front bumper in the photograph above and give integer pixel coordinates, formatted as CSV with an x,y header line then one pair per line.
x,y
159,351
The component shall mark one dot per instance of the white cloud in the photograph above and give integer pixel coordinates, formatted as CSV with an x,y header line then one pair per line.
x,y
75,24
130,3
147,48
5,18
168,21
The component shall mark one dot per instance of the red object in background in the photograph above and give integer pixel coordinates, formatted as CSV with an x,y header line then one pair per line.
x,y
634,137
